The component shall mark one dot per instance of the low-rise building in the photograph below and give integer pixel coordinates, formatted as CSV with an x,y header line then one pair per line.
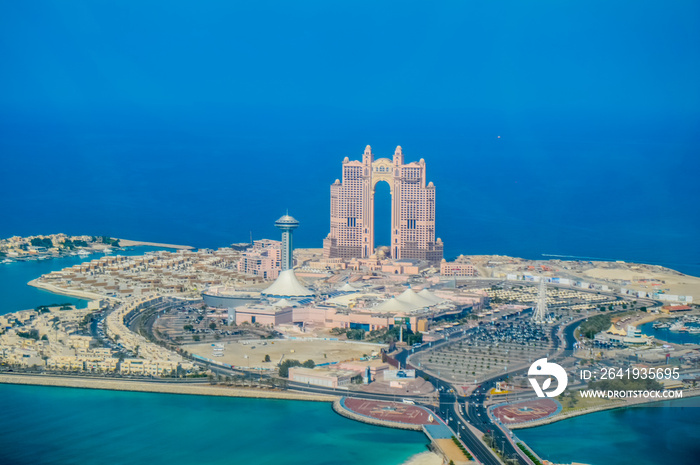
x,y
457,269
332,378
263,259
676,308
266,315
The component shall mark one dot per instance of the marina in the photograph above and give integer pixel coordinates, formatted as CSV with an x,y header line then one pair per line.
x,y
683,330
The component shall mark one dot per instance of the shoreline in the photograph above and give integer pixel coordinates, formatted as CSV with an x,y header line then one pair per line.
x,y
130,243
344,412
159,387
427,457
600,408
70,293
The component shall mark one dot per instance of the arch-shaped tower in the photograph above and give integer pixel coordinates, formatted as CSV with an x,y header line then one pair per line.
x,y
412,209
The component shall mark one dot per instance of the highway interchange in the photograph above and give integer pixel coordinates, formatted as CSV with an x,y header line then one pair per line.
x,y
460,413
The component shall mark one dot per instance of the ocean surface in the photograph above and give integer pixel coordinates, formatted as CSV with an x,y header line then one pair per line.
x,y
527,200
665,433
16,295
551,128
548,129
63,426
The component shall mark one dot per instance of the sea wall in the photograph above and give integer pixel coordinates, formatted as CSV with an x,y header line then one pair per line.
x,y
339,409
160,387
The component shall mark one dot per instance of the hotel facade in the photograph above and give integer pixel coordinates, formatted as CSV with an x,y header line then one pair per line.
x,y
412,209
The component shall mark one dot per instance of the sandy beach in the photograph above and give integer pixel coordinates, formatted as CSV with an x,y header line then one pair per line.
x,y
130,243
69,292
424,458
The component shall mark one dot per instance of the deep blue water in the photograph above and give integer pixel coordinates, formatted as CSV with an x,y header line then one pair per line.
x,y
649,435
61,426
175,124
568,128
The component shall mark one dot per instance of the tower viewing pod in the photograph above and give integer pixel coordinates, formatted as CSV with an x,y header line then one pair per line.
x,y
287,286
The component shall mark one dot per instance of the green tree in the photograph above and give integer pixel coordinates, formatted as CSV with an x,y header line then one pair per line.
x,y
45,242
594,325
285,365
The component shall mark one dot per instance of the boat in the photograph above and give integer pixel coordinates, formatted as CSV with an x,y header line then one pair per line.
x,y
677,326
83,253
7,261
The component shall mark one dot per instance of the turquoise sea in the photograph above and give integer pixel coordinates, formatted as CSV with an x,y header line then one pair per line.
x,y
73,424
67,426
665,433
50,425
559,128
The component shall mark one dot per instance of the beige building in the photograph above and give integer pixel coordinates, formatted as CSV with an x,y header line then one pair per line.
x,y
457,269
331,378
139,366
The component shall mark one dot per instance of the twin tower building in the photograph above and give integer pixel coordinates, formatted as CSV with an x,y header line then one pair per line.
x,y
412,209
352,218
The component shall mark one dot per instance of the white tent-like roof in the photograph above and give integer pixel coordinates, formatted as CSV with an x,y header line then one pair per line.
x,y
347,288
426,294
410,297
287,285
394,305
410,301
284,303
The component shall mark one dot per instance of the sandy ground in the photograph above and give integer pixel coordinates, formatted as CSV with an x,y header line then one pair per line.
x,y
678,284
319,351
451,450
417,386
129,243
424,458
70,292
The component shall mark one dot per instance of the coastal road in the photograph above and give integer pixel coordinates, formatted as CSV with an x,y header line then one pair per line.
x,y
82,375
448,411
449,403
356,394
472,409
459,411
